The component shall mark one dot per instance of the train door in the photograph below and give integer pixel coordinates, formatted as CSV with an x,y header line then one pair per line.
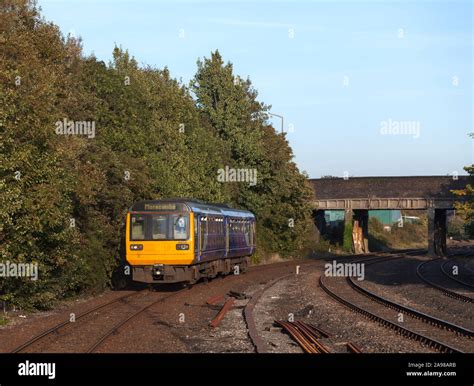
x,y
197,237
226,232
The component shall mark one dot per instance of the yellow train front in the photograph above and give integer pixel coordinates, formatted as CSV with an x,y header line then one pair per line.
x,y
170,241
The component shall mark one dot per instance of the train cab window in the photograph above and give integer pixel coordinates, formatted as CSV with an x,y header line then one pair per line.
x,y
159,227
138,227
180,226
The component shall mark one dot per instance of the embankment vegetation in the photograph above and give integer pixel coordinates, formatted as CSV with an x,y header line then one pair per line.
x,y
83,139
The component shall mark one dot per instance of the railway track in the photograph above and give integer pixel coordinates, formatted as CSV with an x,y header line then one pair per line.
x,y
125,321
309,336
109,331
446,270
134,310
259,344
138,309
51,332
387,323
55,329
431,273
413,325
410,311
407,310
306,335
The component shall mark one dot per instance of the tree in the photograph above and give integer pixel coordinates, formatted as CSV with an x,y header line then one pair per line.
x,y
465,208
280,198
35,182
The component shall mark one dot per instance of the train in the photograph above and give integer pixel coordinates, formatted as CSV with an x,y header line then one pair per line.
x,y
185,240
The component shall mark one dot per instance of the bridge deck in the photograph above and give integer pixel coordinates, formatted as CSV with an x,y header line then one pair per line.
x,y
387,192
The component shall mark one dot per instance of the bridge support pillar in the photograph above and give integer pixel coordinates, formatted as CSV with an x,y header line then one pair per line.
x,y
360,232
436,232
320,222
347,242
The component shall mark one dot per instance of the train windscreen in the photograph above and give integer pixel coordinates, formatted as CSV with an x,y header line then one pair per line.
x,y
155,227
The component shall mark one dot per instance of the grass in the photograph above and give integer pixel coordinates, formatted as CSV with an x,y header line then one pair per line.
x,y
407,236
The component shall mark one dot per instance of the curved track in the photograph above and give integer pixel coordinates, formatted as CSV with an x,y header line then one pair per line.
x,y
427,271
387,323
445,270
345,296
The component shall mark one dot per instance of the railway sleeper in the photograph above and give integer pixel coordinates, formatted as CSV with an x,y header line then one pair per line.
x,y
384,322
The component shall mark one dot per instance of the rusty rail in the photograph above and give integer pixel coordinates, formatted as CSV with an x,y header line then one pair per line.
x,y
220,315
305,336
320,331
353,348
215,299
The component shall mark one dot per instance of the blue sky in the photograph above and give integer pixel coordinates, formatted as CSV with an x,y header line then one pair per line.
x,y
338,71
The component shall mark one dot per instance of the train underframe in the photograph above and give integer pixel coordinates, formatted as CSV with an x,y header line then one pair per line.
x,y
164,273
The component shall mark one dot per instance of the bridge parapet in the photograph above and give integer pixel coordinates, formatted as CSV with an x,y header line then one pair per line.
x,y
383,203
435,187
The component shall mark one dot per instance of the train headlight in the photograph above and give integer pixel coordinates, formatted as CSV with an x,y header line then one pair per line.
x,y
158,269
182,247
136,247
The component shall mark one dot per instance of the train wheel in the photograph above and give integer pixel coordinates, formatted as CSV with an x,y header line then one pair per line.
x,y
245,264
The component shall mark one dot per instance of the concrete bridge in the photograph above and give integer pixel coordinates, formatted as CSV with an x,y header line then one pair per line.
x,y
357,195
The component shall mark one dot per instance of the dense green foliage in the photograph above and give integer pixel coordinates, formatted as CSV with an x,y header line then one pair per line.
x,y
63,197
465,206
347,242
